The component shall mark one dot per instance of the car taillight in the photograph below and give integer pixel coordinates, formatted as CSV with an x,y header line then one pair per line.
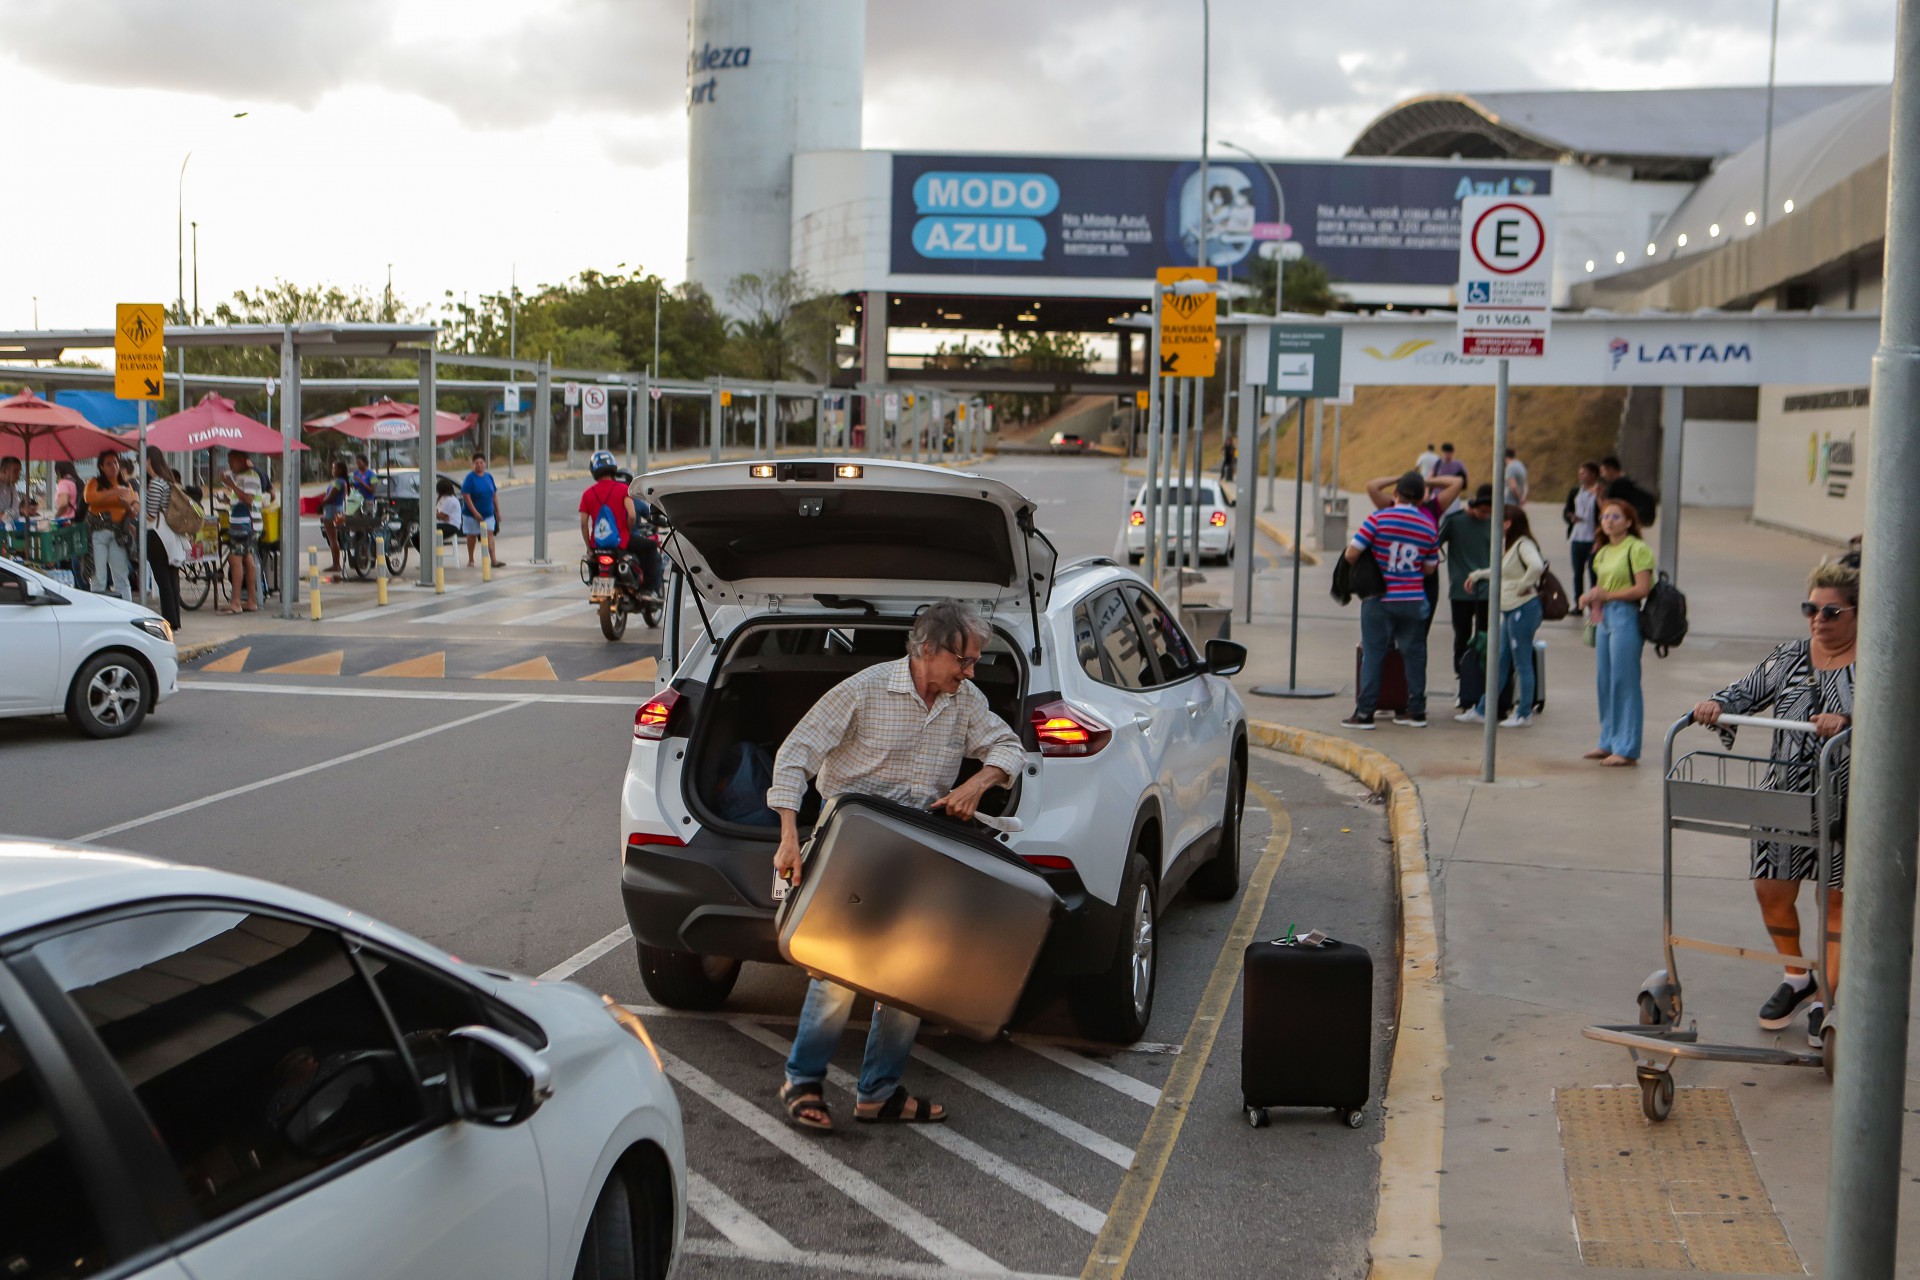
x,y
650,721
640,838
1047,861
1137,518
1218,519
1064,730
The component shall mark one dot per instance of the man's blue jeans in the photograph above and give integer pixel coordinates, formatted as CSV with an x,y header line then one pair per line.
x,y
1398,624
824,1017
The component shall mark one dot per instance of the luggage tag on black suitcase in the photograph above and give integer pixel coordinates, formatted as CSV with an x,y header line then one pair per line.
x,y
1322,984
917,911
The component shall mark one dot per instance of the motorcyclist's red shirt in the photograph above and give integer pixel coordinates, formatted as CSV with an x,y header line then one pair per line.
x,y
607,496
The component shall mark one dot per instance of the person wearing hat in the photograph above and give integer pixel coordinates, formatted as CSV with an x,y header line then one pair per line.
x,y
1466,542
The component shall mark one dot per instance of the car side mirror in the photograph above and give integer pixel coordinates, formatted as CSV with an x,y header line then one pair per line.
x,y
493,1079
1225,657
33,591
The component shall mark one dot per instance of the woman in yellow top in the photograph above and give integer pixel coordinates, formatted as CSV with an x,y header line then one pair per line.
x,y
1623,567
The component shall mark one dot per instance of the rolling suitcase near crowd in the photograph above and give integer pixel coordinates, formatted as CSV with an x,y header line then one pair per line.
x,y
918,911
1393,680
1307,1033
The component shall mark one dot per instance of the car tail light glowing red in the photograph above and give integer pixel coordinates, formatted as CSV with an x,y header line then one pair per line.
x,y
1218,519
1064,730
1137,518
1047,861
650,721
639,838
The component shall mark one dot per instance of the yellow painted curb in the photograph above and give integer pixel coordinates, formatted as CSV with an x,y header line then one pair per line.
x,y
1406,1225
1284,538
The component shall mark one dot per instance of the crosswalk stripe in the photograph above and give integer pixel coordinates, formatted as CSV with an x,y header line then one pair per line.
x,y
863,1191
232,664
734,1220
1120,1081
1072,1130
430,666
322,664
576,608
532,669
492,605
1036,1189
849,1264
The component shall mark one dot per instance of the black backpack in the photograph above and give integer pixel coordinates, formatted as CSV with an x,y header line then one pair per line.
x,y
1362,579
1663,616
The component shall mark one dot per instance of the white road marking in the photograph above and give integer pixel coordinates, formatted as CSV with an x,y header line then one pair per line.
x,y
863,1191
847,1264
429,598
735,1221
581,609
1139,1090
290,775
490,606
1072,1130
788,1019
413,695
1038,1190
587,955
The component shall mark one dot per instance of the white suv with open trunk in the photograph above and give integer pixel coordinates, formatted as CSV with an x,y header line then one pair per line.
x,y
791,576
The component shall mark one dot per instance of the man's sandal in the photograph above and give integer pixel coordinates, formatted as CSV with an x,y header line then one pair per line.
x,y
895,1110
807,1106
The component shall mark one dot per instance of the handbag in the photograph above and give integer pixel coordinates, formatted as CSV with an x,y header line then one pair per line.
x,y
1553,597
182,516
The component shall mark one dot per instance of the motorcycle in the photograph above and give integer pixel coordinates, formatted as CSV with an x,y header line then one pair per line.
x,y
614,582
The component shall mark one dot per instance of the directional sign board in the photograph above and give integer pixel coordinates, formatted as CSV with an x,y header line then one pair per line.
x,y
593,410
1506,275
1186,324
139,331
1304,360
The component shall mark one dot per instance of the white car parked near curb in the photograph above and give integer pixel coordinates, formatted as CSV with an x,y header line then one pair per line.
x,y
208,1077
101,661
792,576
1215,521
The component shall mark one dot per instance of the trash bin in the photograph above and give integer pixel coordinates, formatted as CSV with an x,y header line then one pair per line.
x,y
1333,523
1204,622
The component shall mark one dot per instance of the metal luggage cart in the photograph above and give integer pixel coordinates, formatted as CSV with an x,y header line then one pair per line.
x,y
1721,794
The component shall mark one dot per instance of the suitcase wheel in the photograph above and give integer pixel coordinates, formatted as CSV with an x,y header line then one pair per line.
x,y
1257,1117
1355,1118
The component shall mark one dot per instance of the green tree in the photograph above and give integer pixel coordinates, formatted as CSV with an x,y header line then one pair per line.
x,y
1307,287
786,327
1039,351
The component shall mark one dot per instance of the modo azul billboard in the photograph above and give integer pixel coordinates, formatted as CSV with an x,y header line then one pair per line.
x,y
1367,222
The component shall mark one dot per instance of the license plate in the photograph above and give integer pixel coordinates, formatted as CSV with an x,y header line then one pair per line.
x,y
603,589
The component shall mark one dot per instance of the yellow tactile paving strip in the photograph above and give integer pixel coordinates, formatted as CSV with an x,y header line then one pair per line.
x,y
1682,1195
431,666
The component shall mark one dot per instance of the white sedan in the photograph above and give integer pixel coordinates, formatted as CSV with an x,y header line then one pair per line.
x,y
102,661
1215,520
207,1077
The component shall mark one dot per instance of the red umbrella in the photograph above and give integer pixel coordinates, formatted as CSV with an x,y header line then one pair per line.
x,y
59,432
215,422
391,420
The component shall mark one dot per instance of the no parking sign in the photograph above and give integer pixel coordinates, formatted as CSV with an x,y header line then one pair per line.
x,y
593,410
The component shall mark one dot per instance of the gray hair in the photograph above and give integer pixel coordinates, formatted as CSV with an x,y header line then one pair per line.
x,y
946,624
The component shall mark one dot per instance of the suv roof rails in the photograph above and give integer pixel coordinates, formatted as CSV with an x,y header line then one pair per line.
x,y
1084,562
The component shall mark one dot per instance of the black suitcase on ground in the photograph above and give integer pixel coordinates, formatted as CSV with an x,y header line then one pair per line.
x,y
1393,681
1307,1034
918,911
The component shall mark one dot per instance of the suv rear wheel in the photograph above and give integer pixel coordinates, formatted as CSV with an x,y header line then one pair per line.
x,y
1218,878
682,980
1117,1004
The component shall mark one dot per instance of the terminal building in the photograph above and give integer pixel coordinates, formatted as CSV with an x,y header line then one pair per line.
x,y
1664,199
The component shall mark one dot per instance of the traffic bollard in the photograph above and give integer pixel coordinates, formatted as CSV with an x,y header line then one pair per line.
x,y
313,583
439,574
486,561
380,567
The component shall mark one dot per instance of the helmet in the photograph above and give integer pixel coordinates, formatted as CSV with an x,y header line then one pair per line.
x,y
603,464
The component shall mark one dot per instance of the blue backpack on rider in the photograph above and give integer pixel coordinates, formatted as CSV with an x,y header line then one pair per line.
x,y
606,529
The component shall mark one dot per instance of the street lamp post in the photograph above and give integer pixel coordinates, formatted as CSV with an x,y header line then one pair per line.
x,y
1279,276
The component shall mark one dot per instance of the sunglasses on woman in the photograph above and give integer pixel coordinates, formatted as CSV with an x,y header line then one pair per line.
x,y
1825,612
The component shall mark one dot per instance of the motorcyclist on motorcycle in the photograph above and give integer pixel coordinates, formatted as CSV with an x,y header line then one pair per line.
x,y
609,520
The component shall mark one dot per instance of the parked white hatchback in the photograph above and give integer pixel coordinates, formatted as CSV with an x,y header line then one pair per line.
x,y
208,1077
791,577
103,662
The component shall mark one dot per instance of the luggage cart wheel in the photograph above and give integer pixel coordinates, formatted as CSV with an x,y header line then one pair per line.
x,y
1257,1117
1829,1048
1656,1095
1354,1118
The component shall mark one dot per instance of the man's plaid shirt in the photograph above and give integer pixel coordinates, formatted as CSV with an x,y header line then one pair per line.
x,y
872,734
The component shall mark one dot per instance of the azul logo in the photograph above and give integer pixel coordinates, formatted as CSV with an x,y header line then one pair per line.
x,y
1494,187
991,216
1643,354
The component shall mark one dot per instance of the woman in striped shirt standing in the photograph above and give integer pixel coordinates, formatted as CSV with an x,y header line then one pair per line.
x,y
1808,679
160,557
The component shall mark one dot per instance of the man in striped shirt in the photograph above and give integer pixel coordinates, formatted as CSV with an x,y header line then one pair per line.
x,y
1403,540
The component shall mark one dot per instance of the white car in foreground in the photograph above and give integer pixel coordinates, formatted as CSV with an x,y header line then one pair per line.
x,y
207,1077
103,662
791,577
1215,514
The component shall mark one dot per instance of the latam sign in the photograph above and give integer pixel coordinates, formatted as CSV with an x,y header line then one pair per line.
x,y
1652,357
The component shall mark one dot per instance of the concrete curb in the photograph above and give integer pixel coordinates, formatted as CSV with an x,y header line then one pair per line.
x,y
1284,538
1406,1232
185,653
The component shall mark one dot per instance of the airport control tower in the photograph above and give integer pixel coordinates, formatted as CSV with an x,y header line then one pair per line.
x,y
765,79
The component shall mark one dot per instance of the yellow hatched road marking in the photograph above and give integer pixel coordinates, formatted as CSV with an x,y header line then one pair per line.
x,y
531,669
1131,1204
644,669
323,664
431,666
232,664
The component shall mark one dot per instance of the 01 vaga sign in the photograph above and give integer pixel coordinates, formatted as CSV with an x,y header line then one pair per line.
x,y
1506,276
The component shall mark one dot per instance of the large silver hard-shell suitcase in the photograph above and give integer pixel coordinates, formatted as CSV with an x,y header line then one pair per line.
x,y
919,912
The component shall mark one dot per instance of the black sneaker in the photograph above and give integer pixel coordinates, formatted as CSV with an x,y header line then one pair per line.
x,y
1357,721
1816,1023
1410,721
1778,1012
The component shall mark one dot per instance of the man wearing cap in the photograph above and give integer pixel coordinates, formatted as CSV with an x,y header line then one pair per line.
x,y
1466,541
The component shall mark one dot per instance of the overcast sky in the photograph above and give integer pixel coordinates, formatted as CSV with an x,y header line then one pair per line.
x,y
455,139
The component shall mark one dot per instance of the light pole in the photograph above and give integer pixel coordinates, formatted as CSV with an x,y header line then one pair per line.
x,y
1766,155
1279,275
1206,79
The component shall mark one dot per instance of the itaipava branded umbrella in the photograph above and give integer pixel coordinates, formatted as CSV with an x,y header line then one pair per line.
x,y
215,423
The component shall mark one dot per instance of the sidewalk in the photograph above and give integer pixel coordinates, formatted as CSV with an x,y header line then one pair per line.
x,y
1547,889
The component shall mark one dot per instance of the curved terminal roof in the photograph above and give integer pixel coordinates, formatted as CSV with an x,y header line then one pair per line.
x,y
1660,134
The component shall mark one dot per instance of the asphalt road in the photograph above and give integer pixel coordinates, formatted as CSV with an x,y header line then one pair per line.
x,y
481,815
